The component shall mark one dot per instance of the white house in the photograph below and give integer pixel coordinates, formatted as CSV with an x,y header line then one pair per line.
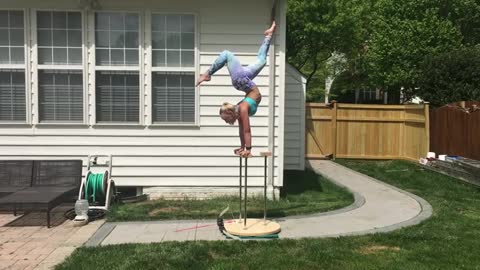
x,y
80,77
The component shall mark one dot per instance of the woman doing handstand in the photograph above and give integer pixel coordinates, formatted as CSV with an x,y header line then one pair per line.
x,y
242,77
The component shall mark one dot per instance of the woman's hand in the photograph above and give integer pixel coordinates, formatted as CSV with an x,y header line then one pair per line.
x,y
238,151
246,153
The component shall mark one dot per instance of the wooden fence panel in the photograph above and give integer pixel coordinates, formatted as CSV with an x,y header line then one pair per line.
x,y
367,131
319,134
455,130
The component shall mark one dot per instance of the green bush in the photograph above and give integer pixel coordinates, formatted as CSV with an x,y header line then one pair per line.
x,y
450,77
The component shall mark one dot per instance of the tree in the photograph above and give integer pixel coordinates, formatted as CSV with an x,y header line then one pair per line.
x,y
451,77
319,28
404,32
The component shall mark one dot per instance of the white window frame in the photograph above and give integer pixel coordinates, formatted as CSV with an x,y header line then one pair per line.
x,y
36,67
92,71
25,67
150,69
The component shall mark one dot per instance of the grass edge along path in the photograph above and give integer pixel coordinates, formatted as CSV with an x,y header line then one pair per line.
x,y
448,240
304,193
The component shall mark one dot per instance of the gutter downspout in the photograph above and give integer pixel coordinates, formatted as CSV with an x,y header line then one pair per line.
x,y
271,108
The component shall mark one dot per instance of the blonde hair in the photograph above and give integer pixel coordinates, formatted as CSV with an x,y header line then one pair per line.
x,y
228,109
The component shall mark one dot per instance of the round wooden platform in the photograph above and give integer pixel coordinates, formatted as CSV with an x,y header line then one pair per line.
x,y
255,227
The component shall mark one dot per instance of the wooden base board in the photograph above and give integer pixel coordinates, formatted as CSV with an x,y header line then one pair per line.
x,y
255,227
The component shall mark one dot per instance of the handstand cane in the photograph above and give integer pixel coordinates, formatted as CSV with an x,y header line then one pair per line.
x,y
240,190
246,187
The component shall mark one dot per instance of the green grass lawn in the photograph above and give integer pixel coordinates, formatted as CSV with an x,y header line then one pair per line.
x,y
450,239
305,192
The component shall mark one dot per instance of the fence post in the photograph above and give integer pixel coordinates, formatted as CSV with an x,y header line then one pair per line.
x,y
334,129
427,126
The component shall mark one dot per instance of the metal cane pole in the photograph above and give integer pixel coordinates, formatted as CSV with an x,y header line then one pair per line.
x,y
240,191
245,200
265,191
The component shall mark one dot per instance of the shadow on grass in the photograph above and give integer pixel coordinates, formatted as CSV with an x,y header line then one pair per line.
x,y
298,182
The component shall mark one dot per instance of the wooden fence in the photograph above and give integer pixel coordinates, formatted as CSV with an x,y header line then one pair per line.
x,y
455,130
367,131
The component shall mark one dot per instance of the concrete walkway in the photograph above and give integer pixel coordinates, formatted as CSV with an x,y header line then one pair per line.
x,y
378,207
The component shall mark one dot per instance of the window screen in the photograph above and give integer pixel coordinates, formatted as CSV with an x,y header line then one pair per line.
x,y
61,96
117,96
173,98
12,37
116,39
173,40
12,96
59,37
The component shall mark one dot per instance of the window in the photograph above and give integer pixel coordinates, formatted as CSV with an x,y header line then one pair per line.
x,y
60,96
12,95
12,71
60,76
117,39
173,98
117,97
117,61
173,61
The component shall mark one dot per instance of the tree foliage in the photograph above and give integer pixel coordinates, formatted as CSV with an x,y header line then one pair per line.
x,y
384,42
451,77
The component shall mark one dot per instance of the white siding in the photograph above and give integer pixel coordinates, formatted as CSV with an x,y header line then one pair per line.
x,y
183,156
295,85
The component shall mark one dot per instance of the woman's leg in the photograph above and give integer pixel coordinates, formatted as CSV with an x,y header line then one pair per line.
x,y
226,58
255,68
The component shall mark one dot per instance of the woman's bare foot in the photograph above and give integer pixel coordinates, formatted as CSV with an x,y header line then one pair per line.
x,y
203,78
269,32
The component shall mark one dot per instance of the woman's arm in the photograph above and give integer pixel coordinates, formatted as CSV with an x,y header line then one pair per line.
x,y
245,132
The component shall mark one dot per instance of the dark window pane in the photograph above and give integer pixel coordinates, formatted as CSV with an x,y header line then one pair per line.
x,y
60,56
117,97
131,57
158,40
12,96
102,57
131,40
131,22
17,37
16,19
74,38
188,59
44,37
4,55
188,41
74,20
158,23
117,21
75,56
17,55
158,58
44,19
173,23
60,38
59,20
173,41
4,41
188,23
45,56
102,39
173,58
4,18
